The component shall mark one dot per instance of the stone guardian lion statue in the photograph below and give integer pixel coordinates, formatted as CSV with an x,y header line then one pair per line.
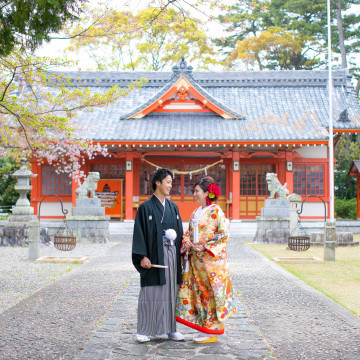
x,y
88,187
275,187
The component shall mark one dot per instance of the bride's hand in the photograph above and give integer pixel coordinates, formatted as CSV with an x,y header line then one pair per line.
x,y
188,245
198,248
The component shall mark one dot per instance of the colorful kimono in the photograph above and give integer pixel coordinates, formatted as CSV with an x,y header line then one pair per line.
x,y
205,298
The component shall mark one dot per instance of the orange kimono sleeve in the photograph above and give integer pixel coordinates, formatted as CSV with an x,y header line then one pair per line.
x,y
215,245
186,238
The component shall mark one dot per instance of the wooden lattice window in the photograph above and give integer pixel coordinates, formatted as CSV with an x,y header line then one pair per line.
x,y
252,179
217,172
53,183
109,171
309,180
145,173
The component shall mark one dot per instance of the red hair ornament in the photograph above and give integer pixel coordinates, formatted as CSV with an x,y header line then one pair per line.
x,y
214,192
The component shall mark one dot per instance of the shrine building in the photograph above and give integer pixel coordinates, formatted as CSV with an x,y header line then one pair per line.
x,y
233,126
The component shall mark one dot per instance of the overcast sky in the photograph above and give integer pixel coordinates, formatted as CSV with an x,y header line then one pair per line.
x,y
56,48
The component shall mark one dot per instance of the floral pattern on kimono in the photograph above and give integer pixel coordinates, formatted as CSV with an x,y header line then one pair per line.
x,y
205,298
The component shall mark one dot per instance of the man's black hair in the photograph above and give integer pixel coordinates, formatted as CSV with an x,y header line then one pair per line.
x,y
160,175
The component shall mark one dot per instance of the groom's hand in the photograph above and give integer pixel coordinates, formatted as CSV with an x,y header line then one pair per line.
x,y
145,263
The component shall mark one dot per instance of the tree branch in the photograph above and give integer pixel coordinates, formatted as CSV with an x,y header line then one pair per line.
x,y
161,11
18,120
5,5
7,86
82,32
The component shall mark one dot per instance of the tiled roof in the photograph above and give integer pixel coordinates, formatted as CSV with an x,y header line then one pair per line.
x,y
276,105
201,127
211,78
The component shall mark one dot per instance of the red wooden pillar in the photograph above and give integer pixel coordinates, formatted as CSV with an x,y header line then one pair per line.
x,y
235,171
129,185
289,177
74,186
358,195
35,185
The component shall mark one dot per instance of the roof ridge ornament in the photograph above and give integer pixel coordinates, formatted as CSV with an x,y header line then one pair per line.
x,y
344,116
182,68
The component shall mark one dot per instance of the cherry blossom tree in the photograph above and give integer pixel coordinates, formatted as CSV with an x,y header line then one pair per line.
x,y
37,109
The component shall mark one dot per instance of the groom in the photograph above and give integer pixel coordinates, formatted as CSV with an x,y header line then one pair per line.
x,y
156,256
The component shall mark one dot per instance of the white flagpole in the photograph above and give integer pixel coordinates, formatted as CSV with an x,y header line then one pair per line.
x,y
331,131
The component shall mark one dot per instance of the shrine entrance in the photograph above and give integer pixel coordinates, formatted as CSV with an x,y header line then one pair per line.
x,y
110,191
253,188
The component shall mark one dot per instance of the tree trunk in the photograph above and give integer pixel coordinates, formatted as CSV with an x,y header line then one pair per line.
x,y
341,34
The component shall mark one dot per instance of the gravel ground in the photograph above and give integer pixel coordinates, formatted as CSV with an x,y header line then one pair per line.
x,y
56,320
20,277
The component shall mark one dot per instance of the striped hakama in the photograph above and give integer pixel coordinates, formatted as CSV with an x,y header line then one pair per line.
x,y
156,308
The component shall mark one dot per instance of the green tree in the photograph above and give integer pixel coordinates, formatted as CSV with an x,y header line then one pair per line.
x,y
8,195
27,23
146,40
346,209
274,48
306,21
347,149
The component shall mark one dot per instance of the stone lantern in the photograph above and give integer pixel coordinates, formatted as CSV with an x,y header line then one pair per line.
x,y
22,227
22,211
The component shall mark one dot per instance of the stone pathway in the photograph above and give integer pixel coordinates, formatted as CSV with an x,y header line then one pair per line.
x,y
90,313
298,321
114,338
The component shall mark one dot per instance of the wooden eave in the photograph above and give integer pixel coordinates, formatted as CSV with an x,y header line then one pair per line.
x,y
171,143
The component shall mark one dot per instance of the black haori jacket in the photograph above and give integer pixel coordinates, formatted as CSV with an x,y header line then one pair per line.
x,y
148,241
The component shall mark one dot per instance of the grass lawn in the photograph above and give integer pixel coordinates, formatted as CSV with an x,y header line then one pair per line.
x,y
339,279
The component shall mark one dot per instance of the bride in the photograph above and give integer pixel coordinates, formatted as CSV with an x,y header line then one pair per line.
x,y
205,298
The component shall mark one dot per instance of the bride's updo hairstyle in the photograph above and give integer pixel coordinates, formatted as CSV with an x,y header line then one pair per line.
x,y
204,182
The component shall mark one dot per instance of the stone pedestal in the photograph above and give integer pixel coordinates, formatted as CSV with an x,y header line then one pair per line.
x,y
273,226
88,207
16,228
279,208
88,221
